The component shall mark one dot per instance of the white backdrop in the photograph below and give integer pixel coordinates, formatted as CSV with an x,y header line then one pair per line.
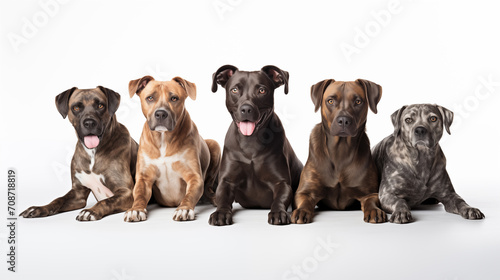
x,y
444,52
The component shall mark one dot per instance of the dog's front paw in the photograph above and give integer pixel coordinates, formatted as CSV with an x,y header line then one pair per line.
x,y
301,216
88,215
401,217
221,218
135,215
34,212
278,218
183,215
375,216
471,213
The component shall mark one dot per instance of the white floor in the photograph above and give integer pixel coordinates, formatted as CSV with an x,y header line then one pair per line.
x,y
338,245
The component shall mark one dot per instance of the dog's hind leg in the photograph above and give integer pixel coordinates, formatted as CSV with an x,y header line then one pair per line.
x,y
212,175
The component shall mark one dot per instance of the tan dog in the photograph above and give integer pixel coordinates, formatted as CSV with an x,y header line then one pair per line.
x,y
174,163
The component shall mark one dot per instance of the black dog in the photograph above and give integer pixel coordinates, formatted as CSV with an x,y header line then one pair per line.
x,y
259,168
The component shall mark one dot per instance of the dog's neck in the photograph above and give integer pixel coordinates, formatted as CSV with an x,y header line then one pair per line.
x,y
261,141
346,149
337,142
109,131
420,155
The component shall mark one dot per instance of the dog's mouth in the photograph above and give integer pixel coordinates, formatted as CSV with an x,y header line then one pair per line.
x,y
91,141
422,144
160,128
247,128
343,134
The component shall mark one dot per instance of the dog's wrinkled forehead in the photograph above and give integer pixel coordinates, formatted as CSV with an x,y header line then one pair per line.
x,y
87,96
419,111
344,89
166,87
249,78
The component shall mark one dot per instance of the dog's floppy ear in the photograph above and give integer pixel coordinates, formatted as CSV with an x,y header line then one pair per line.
x,y
373,93
396,120
278,76
189,87
317,91
447,117
62,101
136,86
222,75
113,99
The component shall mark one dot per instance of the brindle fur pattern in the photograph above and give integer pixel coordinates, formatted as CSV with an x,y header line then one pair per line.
x,y
412,165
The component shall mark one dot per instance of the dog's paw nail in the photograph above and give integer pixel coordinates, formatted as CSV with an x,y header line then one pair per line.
x,y
375,216
135,215
472,214
278,218
221,218
300,216
183,215
86,215
401,217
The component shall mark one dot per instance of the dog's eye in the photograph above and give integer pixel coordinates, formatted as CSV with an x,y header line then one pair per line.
x,y
75,108
234,90
150,98
330,101
358,102
100,106
174,98
408,120
433,119
262,90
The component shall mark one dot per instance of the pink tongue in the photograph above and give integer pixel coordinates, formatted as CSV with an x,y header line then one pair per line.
x,y
246,128
91,141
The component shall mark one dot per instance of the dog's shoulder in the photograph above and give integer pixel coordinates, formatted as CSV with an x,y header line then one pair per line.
x,y
318,147
392,151
381,148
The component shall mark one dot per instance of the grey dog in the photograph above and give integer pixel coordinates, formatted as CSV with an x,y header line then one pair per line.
x,y
412,166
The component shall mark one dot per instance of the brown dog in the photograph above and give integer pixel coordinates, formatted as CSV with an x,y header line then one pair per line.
x,y
104,160
340,169
174,163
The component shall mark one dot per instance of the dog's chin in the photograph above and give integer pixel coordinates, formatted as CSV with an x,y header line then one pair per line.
x,y
160,128
425,144
165,126
343,133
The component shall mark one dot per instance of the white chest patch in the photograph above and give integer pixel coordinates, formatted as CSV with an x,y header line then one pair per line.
x,y
95,182
169,182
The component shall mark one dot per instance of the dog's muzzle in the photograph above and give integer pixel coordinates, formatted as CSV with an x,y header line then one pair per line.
x,y
162,121
90,132
249,119
421,136
344,126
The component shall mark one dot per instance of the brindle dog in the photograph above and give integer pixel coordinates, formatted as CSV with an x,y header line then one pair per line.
x,y
104,160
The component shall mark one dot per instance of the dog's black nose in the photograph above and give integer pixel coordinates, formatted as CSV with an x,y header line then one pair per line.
x,y
161,114
420,131
344,121
89,123
246,110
